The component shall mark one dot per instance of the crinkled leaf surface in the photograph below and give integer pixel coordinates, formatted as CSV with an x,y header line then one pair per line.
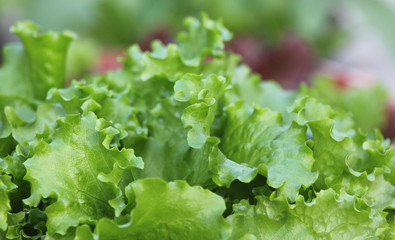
x,y
73,162
164,150
338,148
47,56
23,111
205,37
210,134
203,94
257,139
253,90
327,217
6,186
170,211
377,189
45,120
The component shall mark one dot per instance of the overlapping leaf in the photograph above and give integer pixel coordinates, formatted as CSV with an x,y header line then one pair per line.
x,y
170,210
257,139
327,217
47,56
6,186
75,160
198,120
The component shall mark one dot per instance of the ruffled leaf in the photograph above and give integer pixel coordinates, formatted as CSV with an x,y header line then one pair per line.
x,y
6,186
257,139
170,210
47,56
74,160
203,94
328,217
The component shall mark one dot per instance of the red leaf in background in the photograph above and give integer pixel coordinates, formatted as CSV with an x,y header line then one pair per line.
x,y
250,48
341,81
290,62
161,33
108,59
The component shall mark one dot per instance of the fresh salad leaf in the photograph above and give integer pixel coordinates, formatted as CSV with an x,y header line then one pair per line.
x,y
183,142
168,210
78,178
328,216
47,56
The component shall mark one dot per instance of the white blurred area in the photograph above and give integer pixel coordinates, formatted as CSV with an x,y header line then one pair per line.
x,y
368,55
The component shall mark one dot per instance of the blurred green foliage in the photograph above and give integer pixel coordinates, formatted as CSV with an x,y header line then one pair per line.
x,y
122,22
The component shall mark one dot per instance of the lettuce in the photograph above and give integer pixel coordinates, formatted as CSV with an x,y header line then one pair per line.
x,y
327,217
183,142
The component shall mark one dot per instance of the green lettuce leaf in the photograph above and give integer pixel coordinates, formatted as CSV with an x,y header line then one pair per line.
x,y
367,106
204,38
47,56
166,147
328,216
6,186
210,135
338,148
267,94
170,210
13,230
377,189
257,139
23,112
14,73
75,161
83,97
203,94
29,224
45,120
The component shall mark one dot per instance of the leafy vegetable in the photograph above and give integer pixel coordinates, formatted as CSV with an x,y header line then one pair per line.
x,y
47,56
155,217
182,143
324,218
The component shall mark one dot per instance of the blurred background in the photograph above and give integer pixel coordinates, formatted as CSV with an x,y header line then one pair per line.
x,y
351,42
